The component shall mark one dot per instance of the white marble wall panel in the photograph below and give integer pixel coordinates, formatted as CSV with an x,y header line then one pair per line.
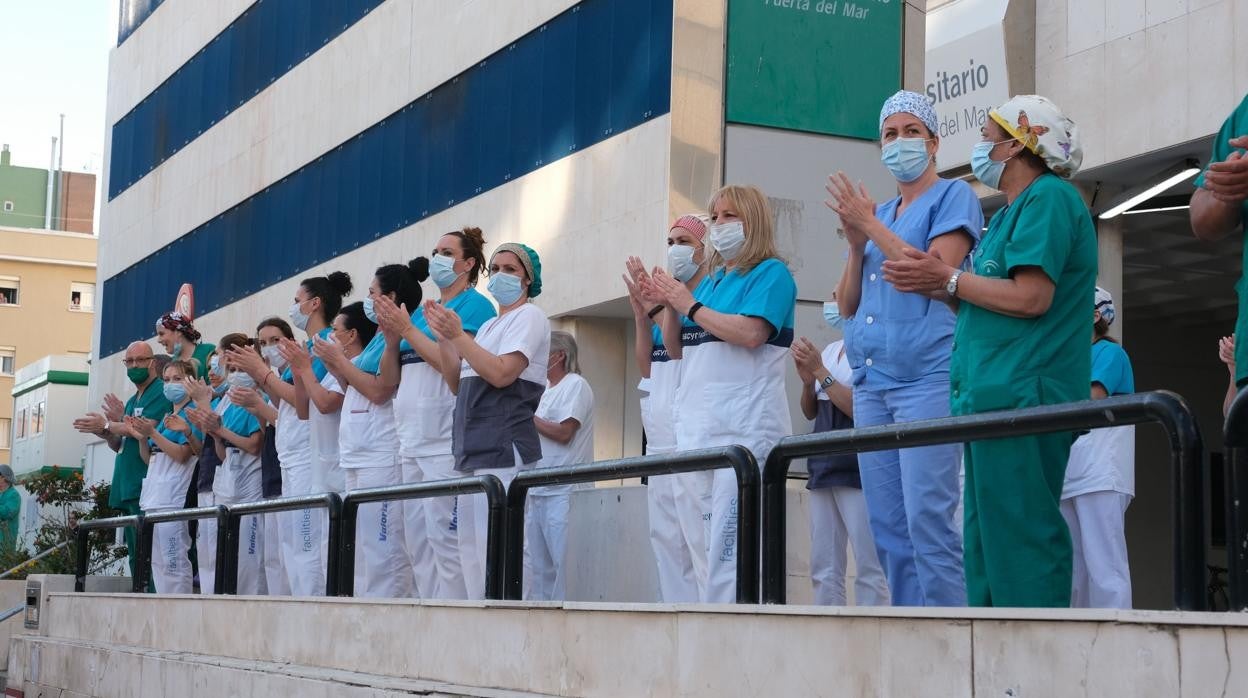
x,y
1141,75
174,33
398,52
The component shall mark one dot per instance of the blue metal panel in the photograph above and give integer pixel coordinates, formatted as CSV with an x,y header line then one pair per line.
x,y
132,14
261,45
596,70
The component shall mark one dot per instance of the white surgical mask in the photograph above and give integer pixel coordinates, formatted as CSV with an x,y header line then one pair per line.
x,y
274,356
727,239
240,379
505,288
832,315
442,270
680,262
297,317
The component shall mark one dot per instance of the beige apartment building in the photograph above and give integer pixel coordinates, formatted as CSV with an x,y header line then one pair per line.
x,y
47,306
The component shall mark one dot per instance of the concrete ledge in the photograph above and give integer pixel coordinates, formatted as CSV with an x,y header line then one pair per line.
x,y
596,649
71,669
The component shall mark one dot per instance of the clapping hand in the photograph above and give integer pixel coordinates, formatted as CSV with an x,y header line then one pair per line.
x,y
1226,352
137,427
91,423
174,422
199,390
444,322
919,272
854,206
1228,180
394,320
295,354
246,398
672,293
807,359
114,409
330,353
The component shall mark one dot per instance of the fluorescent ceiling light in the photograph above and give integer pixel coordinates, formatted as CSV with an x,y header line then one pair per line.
x,y
1159,209
1134,198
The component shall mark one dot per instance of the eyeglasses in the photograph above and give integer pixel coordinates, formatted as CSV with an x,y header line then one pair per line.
x,y
131,363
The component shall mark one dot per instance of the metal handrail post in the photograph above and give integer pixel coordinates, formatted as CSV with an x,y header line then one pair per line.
x,y
82,554
736,457
227,557
1235,483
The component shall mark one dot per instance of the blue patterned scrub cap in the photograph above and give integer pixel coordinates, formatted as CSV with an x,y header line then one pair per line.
x,y
910,103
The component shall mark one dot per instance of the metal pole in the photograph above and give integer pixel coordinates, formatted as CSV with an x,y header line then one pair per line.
x,y
47,209
747,523
1235,481
346,547
333,543
143,556
496,535
513,561
775,527
81,554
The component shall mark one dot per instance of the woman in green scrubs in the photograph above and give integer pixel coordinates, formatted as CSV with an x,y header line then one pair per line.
x,y
179,337
1021,341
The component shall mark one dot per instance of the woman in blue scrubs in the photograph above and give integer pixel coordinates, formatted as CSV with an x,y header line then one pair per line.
x,y
899,345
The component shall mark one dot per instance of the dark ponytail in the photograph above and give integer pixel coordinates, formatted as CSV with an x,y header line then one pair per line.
x,y
472,240
353,318
331,290
403,280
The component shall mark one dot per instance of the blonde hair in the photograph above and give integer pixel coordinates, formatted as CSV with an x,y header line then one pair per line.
x,y
752,208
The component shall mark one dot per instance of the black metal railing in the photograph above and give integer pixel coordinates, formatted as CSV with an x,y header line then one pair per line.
x,y
82,553
227,555
735,457
1235,484
143,560
490,486
1163,407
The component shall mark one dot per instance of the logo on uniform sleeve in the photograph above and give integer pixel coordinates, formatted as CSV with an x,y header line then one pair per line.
x,y
991,268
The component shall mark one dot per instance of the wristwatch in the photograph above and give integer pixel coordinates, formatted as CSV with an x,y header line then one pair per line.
x,y
827,382
951,286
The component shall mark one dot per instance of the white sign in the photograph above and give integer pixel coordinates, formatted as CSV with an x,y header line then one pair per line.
x,y
965,77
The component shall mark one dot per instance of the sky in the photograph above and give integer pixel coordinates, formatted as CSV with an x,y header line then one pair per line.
x,y
55,58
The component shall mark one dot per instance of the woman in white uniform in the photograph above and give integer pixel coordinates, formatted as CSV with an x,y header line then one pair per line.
x,y
368,443
565,427
838,511
424,407
238,440
209,400
169,449
1100,480
735,337
498,378
679,506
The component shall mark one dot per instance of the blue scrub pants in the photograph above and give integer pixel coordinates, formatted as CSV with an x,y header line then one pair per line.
x,y
912,495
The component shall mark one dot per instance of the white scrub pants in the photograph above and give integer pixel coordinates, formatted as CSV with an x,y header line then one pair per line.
x,y
721,582
275,534
1102,577
381,564
838,517
303,546
251,578
206,545
430,528
546,544
474,532
679,511
171,566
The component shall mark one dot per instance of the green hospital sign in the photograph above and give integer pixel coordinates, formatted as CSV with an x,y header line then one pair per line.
x,y
823,66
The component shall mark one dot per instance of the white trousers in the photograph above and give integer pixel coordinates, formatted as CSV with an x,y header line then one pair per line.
x,y
303,546
474,532
838,518
275,533
206,546
721,582
381,564
430,528
546,545
1102,577
251,578
171,566
679,511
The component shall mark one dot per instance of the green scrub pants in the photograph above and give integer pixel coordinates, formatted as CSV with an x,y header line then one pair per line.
x,y
1017,549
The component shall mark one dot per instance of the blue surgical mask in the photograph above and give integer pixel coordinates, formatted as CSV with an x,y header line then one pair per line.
x,y
986,169
369,312
680,262
175,392
219,390
727,239
297,317
240,379
832,314
442,270
906,158
505,288
214,365
177,349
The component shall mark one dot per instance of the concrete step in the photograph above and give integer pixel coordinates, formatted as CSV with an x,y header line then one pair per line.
x,y
76,669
